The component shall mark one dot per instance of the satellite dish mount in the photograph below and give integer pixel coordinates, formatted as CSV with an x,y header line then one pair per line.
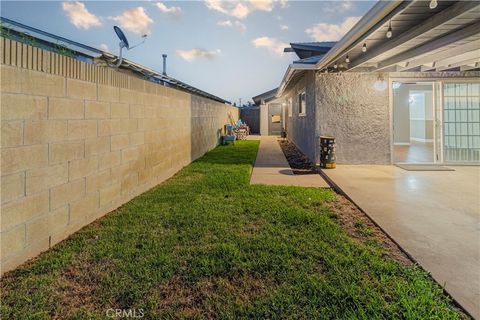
x,y
124,44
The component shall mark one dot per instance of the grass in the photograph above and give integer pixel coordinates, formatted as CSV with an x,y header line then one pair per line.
x,y
207,244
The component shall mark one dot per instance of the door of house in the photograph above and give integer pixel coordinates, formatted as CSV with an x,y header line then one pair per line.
x,y
275,119
413,122
449,135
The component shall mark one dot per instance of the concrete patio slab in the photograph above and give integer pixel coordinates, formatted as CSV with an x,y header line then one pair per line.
x,y
271,168
433,215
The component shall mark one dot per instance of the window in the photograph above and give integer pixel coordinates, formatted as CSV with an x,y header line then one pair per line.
x,y
289,106
461,122
302,104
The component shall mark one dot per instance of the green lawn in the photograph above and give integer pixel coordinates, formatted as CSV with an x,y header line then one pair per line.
x,y
206,244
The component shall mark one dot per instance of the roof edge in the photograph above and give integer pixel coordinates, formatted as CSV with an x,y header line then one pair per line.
x,y
289,73
369,20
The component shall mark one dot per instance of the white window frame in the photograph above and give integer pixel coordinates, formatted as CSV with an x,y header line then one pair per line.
x,y
289,107
302,112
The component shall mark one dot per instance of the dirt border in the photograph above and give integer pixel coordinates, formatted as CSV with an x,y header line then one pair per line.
x,y
355,213
339,191
354,220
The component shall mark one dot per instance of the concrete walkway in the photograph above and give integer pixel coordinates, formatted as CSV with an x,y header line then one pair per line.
x,y
433,215
271,168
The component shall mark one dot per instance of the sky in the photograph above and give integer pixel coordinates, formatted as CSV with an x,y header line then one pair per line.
x,y
232,49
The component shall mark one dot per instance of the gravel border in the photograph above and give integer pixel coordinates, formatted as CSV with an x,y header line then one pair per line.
x,y
296,159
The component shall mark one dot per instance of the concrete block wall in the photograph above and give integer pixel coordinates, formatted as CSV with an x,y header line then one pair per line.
x,y
76,145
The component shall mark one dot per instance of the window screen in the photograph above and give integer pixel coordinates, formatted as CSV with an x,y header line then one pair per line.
x,y
461,122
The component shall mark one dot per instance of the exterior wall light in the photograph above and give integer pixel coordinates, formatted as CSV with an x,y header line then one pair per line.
x,y
389,31
347,59
335,66
364,47
380,84
433,4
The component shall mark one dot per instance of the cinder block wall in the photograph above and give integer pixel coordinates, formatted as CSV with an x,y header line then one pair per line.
x,y
77,141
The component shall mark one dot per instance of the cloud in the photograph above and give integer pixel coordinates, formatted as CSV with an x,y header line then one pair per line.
x,y
346,5
331,32
284,27
216,5
226,23
283,3
79,16
197,53
135,20
104,47
240,26
262,5
229,24
171,11
272,44
241,9
338,6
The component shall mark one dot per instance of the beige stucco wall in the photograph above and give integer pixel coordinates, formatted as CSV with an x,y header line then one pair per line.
x,y
77,141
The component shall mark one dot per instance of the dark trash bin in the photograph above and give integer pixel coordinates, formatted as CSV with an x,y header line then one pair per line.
x,y
327,152
283,134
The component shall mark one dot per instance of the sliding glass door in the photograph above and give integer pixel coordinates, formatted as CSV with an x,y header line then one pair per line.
x,y
461,122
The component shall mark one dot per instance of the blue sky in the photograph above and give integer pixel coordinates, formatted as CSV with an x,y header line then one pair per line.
x,y
231,49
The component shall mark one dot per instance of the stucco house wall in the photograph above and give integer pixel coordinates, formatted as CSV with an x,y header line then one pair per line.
x,y
301,130
264,119
356,114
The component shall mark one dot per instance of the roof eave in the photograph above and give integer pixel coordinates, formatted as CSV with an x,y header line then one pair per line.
x,y
287,77
369,20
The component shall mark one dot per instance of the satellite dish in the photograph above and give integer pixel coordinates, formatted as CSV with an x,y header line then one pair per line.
x,y
121,36
124,44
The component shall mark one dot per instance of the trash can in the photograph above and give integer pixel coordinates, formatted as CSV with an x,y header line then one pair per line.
x,y
327,152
